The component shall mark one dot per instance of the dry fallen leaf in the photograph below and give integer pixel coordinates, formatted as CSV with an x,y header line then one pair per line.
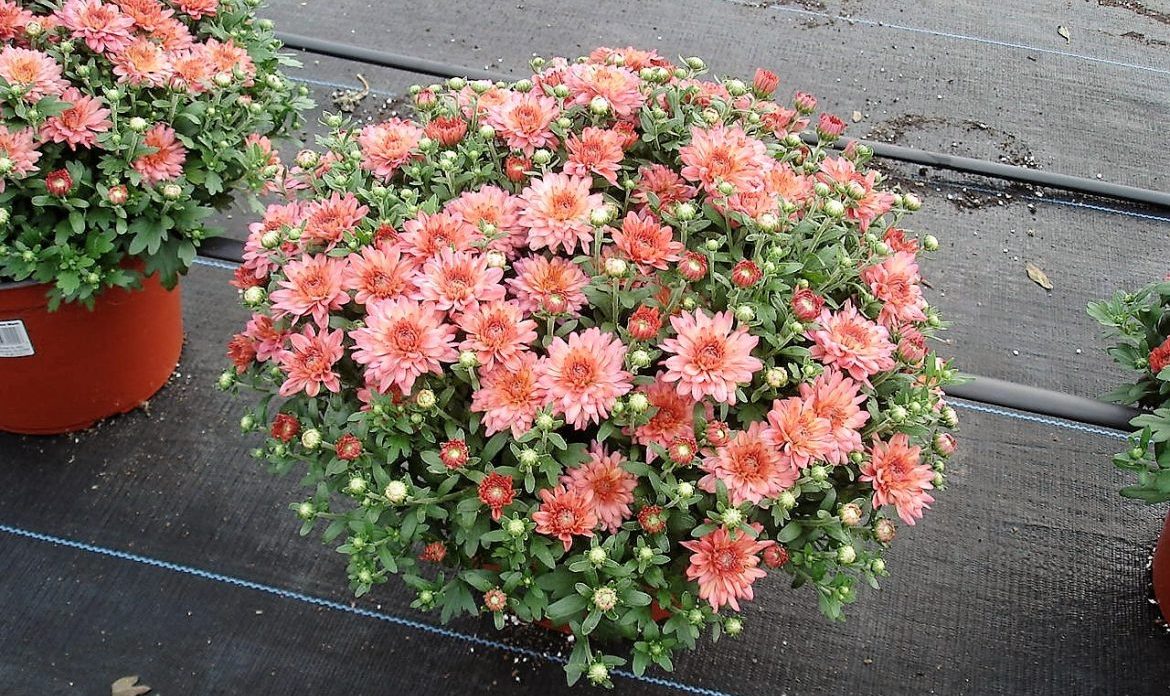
x,y
1038,276
128,686
857,117
1063,31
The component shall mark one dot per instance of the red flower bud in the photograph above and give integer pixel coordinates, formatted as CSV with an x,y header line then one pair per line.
x,y
348,447
58,183
514,168
385,233
496,492
682,450
454,453
448,130
241,351
1160,357
806,304
117,195
434,552
775,556
746,274
718,434
805,103
652,519
945,443
424,99
693,266
829,127
628,133
244,278
645,323
495,599
285,427
764,83
912,347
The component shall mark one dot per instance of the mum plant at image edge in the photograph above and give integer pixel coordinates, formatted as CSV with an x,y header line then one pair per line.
x,y
123,126
599,348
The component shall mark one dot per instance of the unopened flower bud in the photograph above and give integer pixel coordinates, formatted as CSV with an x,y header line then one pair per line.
x,y
787,500
396,492
911,202
685,489
685,211
949,417
541,157
529,457
735,88
599,216
271,239
615,267
254,296
226,380
695,63
726,188
523,86
850,514
247,423
6,165
515,527
306,511
885,531
776,377
768,222
834,209
640,358
456,83
898,414
425,399
846,554
732,517
745,313
468,359
733,626
930,242
487,132
689,304
137,124
544,421
638,402
597,555
599,105
818,473
598,673
311,439
356,485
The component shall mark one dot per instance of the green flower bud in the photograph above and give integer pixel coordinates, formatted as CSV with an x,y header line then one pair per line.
x,y
529,457
645,554
561,92
615,267
735,88
685,211
597,556
695,63
911,202
898,414
468,359
426,597
733,626
425,399
640,358
541,157
356,485
226,380
689,304
599,106
306,511
271,239
255,296
638,402
137,124
846,554
787,500
248,423
458,83
776,377
487,132
695,617
598,673
745,313
685,489
515,527
311,439
396,492
930,243
834,209
726,188
544,421
523,86
713,244
819,473
222,79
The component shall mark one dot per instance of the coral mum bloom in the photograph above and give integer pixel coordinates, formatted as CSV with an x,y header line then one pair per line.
x,y
895,282
798,432
524,120
584,376
426,235
313,285
18,148
309,363
595,151
402,340
497,333
80,124
379,273
725,564
836,398
710,358
459,280
899,477
101,25
723,154
492,205
509,398
557,211
387,146
327,221
647,242
750,466
565,513
852,343
32,72
496,492
543,283
142,62
611,486
618,86
674,417
166,162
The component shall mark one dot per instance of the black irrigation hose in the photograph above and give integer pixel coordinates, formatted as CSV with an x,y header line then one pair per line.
x,y
939,160
984,390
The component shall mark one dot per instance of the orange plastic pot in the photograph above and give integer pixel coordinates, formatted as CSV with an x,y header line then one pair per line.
x,y
65,370
1162,571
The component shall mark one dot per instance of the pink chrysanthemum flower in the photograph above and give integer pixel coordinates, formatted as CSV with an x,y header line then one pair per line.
x,y
556,212
783,181
617,85
632,58
172,35
312,286
228,57
191,70
596,151
584,377
673,417
797,432
142,62
852,343
509,398
457,281
387,146
402,340
612,487
101,25
426,235
34,73
497,333
722,154
327,220
647,242
148,15
565,513
379,273
837,399
276,218
198,9
664,183
309,362
553,285
524,120
709,357
899,477
80,124
725,564
750,467
19,149
13,20
166,162
492,205
268,340
895,282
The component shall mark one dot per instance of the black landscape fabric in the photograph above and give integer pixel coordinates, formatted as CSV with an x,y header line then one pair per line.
x,y
1029,576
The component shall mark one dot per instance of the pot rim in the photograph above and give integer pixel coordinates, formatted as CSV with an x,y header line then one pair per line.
x,y
15,284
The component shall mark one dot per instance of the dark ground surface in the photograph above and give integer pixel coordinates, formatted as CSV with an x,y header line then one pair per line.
x,y
1027,578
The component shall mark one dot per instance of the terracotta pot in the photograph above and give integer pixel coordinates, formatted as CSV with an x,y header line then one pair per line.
x,y
1162,571
63,371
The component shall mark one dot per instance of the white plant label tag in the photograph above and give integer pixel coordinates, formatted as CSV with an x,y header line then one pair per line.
x,y
14,341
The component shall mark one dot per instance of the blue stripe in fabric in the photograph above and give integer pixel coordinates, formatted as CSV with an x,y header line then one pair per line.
x,y
336,606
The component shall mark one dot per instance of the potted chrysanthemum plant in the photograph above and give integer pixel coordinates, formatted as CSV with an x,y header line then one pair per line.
x,y
1138,328
599,348
123,125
